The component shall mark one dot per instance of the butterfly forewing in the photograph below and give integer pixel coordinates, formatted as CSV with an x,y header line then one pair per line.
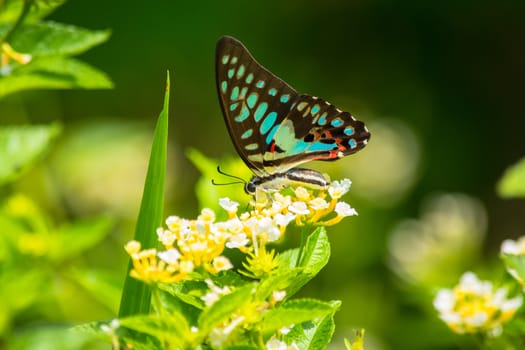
x,y
252,100
272,127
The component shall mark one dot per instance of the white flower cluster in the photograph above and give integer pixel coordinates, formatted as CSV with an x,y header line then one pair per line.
x,y
474,306
189,244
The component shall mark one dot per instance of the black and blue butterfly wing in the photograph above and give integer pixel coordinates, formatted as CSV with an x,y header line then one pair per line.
x,y
272,127
314,130
251,97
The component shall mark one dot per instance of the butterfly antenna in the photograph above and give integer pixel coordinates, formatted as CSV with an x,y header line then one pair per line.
x,y
240,179
227,183
229,175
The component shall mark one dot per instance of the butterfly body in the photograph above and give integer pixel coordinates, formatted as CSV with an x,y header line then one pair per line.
x,y
273,127
294,176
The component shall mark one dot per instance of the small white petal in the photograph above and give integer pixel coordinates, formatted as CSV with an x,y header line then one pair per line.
x,y
237,241
222,263
278,295
170,256
228,205
302,193
166,237
476,320
318,203
299,208
275,344
344,209
338,188
512,304
285,330
444,300
284,220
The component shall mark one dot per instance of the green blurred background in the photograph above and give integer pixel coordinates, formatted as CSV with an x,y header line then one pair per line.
x,y
440,85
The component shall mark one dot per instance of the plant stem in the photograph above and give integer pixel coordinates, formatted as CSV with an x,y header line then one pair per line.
x,y
157,303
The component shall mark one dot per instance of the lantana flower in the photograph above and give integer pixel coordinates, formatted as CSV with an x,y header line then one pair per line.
x,y
516,251
512,247
475,306
276,344
199,244
151,266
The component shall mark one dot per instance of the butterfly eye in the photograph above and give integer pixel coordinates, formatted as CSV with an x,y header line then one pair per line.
x,y
250,188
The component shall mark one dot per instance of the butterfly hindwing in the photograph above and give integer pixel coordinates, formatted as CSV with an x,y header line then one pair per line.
x,y
314,130
272,127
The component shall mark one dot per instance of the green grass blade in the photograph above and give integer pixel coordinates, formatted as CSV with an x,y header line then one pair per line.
x,y
136,295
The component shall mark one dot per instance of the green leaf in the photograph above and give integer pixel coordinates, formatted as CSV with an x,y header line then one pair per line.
x,y
224,308
312,335
241,347
188,292
136,295
171,328
297,311
11,10
279,280
169,302
316,251
21,288
515,264
512,184
21,147
102,286
316,254
228,278
54,73
93,329
73,239
128,340
52,338
53,39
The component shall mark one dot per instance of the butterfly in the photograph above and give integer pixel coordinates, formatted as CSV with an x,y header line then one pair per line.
x,y
274,128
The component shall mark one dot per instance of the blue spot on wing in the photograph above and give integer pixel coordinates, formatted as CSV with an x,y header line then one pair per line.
x,y
235,93
259,112
240,71
252,100
245,113
247,134
271,134
336,122
322,119
302,147
268,122
349,131
285,98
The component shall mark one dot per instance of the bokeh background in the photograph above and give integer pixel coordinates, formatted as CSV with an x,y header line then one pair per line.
x,y
440,85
